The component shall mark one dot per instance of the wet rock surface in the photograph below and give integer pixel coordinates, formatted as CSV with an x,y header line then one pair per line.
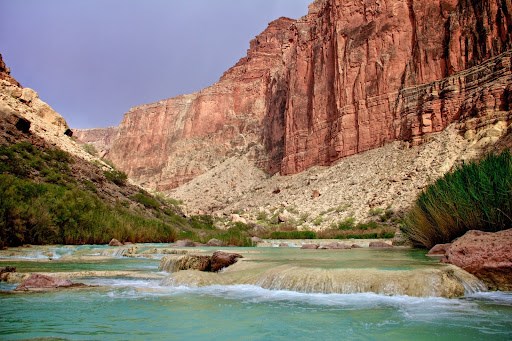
x,y
486,255
45,282
377,245
218,261
439,250
221,260
115,242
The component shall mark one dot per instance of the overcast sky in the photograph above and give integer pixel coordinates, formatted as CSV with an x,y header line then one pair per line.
x,y
92,60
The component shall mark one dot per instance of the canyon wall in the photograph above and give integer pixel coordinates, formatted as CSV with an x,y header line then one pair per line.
x,y
350,76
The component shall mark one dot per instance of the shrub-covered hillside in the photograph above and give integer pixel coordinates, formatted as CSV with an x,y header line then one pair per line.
x,y
49,196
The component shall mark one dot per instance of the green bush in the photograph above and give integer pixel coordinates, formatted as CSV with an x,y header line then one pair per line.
x,y
117,177
476,196
293,235
89,148
146,200
347,224
202,222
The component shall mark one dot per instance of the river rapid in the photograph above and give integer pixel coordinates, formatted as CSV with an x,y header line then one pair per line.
x,y
272,294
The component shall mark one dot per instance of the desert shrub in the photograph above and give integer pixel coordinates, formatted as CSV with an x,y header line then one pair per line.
x,y
367,226
202,222
347,224
476,196
90,149
117,177
293,235
318,220
146,200
236,236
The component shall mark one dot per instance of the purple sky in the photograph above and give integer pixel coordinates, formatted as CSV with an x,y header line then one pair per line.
x,y
92,60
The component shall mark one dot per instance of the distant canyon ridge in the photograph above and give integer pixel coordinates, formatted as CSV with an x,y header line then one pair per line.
x,y
350,76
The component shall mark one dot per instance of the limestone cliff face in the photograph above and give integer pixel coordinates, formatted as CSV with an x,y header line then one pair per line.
x,y
350,76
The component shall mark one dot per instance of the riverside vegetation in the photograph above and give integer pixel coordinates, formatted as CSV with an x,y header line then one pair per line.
x,y
475,196
48,196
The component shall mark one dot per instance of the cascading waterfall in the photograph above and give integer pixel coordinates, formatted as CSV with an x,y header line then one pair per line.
x,y
434,280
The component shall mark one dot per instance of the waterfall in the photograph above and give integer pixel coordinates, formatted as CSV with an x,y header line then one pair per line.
x,y
440,281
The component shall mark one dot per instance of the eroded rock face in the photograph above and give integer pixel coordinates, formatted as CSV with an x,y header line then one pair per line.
x,y
348,77
5,73
486,255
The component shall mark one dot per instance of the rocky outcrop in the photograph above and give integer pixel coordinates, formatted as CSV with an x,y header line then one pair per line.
x,y
348,77
486,255
379,245
5,73
115,242
439,250
22,108
44,282
101,138
218,261
221,260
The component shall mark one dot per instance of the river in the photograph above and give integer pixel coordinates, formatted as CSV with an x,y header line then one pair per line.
x,y
134,299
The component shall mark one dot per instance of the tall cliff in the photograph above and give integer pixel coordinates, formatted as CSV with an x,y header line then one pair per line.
x,y
350,76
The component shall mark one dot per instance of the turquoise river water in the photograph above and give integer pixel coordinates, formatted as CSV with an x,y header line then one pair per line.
x,y
134,299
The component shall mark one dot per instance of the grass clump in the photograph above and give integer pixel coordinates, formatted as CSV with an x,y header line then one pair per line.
x,y
90,149
117,177
146,200
293,235
347,224
476,196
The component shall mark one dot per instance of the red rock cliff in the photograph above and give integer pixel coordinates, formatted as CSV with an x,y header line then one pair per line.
x,y
368,72
350,76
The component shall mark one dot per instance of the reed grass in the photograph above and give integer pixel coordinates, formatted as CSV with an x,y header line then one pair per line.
x,y
476,196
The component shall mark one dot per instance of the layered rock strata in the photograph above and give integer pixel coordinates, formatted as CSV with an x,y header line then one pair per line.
x,y
348,77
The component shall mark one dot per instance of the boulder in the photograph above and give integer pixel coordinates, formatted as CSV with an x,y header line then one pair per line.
x,y
190,262
115,242
309,246
355,246
5,271
214,242
221,260
256,240
235,218
334,246
38,282
486,255
439,250
376,245
284,216
184,243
